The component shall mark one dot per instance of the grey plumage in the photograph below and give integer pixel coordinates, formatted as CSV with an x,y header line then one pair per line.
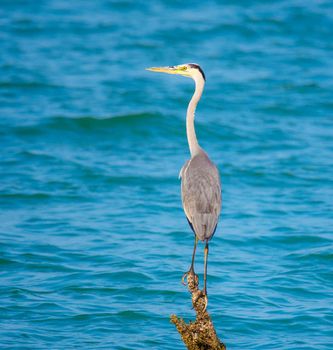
x,y
201,187
201,195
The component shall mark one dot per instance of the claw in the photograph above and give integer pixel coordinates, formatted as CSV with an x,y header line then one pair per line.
x,y
183,278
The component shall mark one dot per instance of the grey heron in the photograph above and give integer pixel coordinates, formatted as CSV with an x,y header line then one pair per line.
x,y
200,180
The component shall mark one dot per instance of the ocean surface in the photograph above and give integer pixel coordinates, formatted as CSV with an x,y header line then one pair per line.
x,y
93,238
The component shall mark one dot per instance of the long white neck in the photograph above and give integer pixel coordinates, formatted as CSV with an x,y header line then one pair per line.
x,y
190,130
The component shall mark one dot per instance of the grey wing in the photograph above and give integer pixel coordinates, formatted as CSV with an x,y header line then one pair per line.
x,y
201,196
183,169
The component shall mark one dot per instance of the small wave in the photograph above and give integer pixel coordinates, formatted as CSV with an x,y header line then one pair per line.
x,y
24,196
128,314
142,123
124,276
322,254
288,239
27,85
5,262
40,196
90,122
134,315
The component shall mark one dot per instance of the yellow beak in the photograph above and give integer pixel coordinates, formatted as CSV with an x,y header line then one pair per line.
x,y
169,70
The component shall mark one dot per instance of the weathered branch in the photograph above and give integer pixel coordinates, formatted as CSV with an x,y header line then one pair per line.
x,y
200,334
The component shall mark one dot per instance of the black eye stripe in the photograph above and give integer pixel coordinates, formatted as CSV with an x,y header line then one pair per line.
x,y
194,65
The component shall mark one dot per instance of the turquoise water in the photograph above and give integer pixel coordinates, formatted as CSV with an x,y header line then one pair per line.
x,y
93,239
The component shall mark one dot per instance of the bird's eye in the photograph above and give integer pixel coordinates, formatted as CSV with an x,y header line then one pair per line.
x,y
184,68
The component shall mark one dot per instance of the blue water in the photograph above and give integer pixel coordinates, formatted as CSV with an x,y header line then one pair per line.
x,y
93,239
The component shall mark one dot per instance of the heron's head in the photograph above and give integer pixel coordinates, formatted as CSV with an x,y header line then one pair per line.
x,y
190,70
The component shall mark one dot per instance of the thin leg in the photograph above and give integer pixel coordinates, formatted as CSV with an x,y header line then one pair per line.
x,y
204,292
193,254
191,270
205,275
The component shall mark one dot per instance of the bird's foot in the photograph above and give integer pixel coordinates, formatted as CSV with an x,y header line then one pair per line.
x,y
185,276
199,295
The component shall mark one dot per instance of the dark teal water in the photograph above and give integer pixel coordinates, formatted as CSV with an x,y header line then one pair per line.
x,y
93,239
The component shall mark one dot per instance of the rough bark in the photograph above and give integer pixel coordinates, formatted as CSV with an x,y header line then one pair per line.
x,y
200,334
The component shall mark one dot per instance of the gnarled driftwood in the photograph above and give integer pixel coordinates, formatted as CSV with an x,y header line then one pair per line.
x,y
200,334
